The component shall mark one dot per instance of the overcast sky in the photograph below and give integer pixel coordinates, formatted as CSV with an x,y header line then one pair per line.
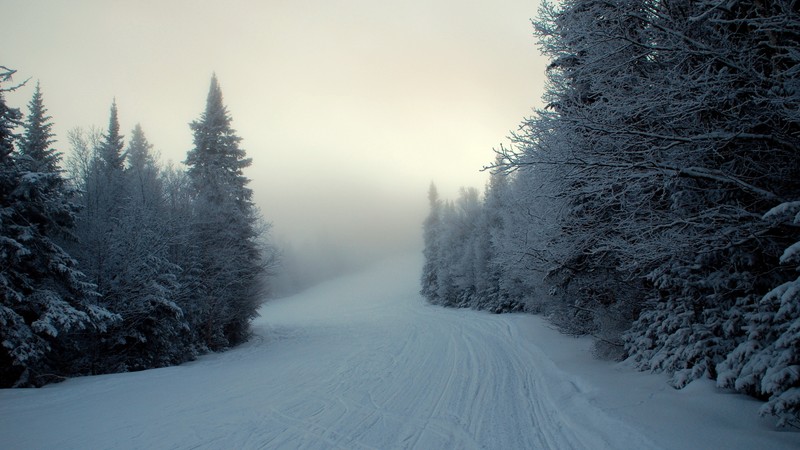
x,y
349,108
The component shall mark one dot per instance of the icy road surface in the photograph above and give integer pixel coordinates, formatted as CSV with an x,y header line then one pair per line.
x,y
363,362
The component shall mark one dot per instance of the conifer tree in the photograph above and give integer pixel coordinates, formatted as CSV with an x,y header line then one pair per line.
x,y
111,150
225,265
43,296
145,284
143,176
103,198
431,231
38,137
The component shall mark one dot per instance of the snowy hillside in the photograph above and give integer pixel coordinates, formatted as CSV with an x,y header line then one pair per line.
x,y
364,362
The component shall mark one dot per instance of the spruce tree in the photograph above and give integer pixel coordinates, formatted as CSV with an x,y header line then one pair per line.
x,y
431,230
36,151
103,198
43,296
143,176
111,150
144,286
224,266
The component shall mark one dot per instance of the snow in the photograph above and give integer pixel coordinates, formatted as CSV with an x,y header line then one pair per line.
x,y
791,254
364,362
784,210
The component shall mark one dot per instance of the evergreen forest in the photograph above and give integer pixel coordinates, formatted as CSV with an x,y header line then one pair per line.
x,y
110,262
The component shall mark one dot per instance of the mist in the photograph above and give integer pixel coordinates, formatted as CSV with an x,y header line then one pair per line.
x,y
348,110
342,228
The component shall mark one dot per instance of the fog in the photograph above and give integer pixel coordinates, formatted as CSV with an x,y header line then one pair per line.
x,y
349,109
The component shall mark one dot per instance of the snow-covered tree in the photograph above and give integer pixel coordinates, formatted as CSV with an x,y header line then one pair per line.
x,y
431,229
729,152
595,64
460,268
143,171
172,259
672,127
660,188
462,235
489,229
124,247
766,363
146,290
522,242
635,204
225,266
35,150
103,198
79,161
111,151
43,296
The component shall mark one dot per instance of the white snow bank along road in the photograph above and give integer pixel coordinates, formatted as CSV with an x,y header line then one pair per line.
x,y
363,362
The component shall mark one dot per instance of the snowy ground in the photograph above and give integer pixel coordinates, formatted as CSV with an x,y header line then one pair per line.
x,y
363,362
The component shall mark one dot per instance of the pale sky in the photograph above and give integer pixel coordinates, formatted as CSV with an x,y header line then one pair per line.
x,y
349,108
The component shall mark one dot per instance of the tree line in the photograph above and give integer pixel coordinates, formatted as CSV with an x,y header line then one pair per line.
x,y
116,263
654,201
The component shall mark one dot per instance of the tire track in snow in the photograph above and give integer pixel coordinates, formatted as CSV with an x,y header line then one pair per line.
x,y
444,390
419,376
359,363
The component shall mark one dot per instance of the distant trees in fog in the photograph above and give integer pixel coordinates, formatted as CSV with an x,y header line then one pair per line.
x,y
655,201
122,265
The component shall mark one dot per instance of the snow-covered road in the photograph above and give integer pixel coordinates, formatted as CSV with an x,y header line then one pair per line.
x,y
363,362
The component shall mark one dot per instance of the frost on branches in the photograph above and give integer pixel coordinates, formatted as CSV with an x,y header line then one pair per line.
x,y
126,266
44,298
767,363
635,200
